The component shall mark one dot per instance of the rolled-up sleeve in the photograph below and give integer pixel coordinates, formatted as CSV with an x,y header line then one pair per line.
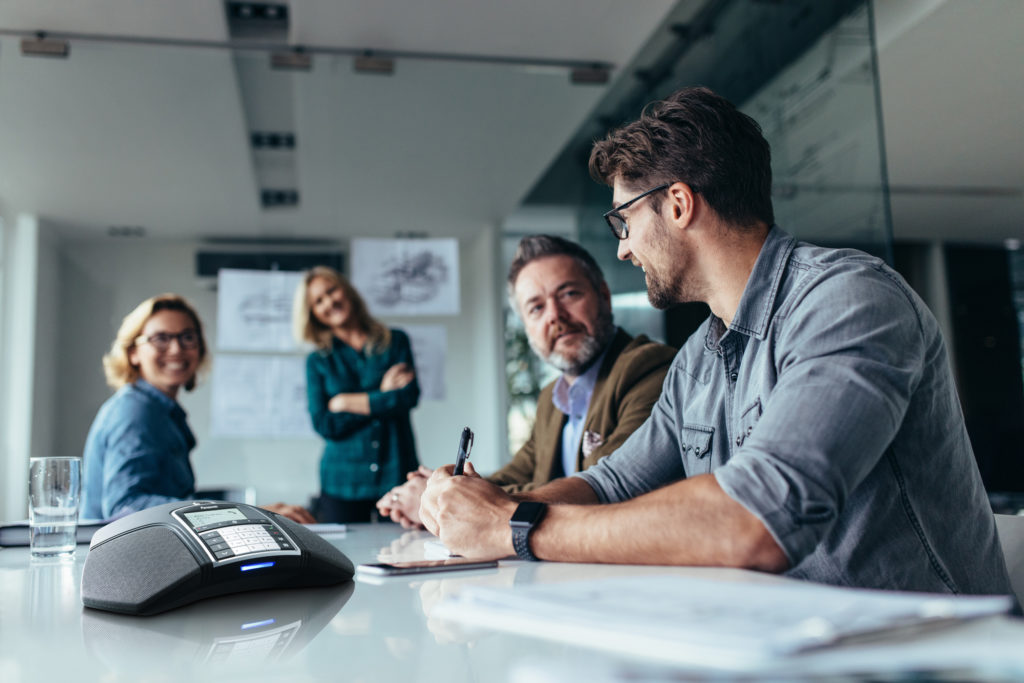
x,y
847,367
649,457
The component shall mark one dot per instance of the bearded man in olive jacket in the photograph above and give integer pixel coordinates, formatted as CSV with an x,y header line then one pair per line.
x,y
609,381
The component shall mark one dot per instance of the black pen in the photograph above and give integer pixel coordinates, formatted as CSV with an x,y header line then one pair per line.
x,y
465,445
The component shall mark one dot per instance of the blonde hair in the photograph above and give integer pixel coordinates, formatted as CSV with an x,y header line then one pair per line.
x,y
307,328
116,364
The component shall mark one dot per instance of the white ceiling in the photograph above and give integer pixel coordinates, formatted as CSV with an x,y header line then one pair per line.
x,y
952,87
157,136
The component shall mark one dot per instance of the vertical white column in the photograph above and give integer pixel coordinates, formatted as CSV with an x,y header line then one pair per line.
x,y
484,305
17,362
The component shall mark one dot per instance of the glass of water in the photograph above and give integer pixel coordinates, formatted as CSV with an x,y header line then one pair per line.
x,y
54,487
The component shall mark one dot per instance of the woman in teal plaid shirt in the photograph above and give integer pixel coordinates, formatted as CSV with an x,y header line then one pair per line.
x,y
361,385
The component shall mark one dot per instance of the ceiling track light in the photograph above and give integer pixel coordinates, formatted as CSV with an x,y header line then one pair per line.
x,y
594,75
369,63
41,46
300,57
294,60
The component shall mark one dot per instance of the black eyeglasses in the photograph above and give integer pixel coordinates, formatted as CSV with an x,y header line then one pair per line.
x,y
615,219
161,341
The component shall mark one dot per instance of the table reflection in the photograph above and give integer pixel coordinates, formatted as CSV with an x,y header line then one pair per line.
x,y
244,628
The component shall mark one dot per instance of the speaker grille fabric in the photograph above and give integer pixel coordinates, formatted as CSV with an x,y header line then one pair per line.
x,y
135,568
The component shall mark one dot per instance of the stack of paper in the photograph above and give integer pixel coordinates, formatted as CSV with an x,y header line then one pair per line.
x,y
704,622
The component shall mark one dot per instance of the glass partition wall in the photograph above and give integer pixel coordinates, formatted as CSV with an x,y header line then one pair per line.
x,y
807,73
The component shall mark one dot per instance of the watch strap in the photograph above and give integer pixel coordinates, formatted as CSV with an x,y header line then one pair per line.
x,y
525,519
521,542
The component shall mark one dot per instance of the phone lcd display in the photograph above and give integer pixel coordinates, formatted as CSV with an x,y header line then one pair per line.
x,y
205,517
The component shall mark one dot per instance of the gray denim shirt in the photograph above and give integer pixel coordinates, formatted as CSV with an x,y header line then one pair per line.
x,y
828,410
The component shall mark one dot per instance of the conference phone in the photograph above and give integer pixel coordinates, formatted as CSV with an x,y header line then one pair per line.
x,y
174,554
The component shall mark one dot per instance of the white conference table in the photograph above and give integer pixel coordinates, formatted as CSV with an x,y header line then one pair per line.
x,y
383,631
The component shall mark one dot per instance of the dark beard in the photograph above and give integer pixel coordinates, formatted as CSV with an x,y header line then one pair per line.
x,y
659,295
662,295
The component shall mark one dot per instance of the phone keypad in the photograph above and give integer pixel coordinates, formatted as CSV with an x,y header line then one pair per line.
x,y
231,541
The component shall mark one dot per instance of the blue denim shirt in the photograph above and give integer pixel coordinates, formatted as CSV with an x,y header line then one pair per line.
x,y
828,410
365,455
137,453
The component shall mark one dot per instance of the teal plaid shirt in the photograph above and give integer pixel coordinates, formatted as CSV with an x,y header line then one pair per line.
x,y
365,455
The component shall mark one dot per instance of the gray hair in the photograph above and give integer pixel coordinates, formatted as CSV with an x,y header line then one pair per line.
x,y
533,247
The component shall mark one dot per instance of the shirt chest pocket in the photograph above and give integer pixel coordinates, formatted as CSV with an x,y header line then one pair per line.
x,y
696,443
748,419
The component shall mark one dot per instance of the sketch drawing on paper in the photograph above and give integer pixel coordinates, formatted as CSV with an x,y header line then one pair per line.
x,y
410,278
407,276
266,308
254,310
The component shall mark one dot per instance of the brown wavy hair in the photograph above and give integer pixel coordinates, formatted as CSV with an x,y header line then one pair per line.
x,y
697,137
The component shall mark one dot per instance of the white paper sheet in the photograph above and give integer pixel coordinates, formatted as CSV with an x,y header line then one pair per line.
x,y
256,396
720,624
429,350
254,310
407,276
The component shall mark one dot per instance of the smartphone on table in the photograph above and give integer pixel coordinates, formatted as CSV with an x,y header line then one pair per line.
x,y
424,566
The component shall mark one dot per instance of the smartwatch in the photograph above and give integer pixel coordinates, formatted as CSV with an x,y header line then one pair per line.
x,y
526,517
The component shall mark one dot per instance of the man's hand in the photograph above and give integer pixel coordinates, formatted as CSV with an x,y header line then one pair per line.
x,y
296,513
396,377
402,503
421,471
469,514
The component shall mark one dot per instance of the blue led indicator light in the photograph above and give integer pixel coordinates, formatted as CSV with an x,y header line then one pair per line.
x,y
258,565
257,624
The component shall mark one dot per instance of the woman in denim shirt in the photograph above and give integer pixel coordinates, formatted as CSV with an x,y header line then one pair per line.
x,y
137,452
361,385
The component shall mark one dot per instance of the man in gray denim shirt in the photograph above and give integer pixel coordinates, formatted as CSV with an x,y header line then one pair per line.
x,y
810,426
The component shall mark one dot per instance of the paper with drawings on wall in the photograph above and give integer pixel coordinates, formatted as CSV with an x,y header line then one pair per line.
x,y
254,310
704,622
429,348
260,396
407,276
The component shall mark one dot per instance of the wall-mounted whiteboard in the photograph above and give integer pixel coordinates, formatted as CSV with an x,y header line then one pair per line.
x,y
254,310
260,395
429,348
407,276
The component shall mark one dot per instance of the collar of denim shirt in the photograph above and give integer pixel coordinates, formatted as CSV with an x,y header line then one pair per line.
x,y
160,397
755,309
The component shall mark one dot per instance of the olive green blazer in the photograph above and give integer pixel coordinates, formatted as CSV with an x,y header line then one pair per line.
x,y
627,387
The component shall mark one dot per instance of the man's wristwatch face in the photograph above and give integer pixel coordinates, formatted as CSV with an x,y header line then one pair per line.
x,y
528,514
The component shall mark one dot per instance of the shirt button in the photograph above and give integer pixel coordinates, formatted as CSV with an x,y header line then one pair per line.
x,y
733,376
749,430
739,440
375,444
374,467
